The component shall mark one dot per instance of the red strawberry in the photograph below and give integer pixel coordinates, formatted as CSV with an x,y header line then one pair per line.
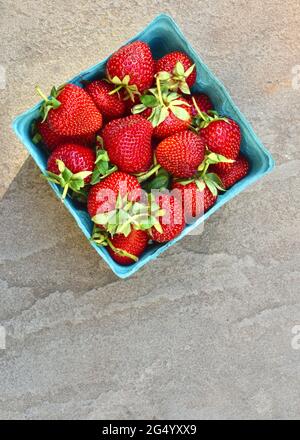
x,y
100,198
236,172
194,201
168,112
202,101
133,65
128,143
70,111
172,124
181,154
71,166
110,106
222,137
52,140
172,222
134,245
76,158
183,76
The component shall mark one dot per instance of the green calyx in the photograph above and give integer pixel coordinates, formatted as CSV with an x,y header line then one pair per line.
x,y
162,102
35,135
177,80
127,215
67,180
102,238
131,89
202,119
49,103
103,167
202,178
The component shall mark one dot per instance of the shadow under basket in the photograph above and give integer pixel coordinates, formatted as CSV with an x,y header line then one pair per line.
x,y
163,36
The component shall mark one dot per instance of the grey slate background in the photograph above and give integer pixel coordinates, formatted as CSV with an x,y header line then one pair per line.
x,y
204,331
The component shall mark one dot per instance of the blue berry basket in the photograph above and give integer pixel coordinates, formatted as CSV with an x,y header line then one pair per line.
x,y
163,35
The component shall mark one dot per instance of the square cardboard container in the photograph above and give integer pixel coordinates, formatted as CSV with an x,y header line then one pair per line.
x,y
163,35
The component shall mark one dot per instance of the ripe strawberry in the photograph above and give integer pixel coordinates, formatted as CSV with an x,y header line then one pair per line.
x,y
100,200
168,112
70,111
128,143
71,166
236,172
133,245
110,106
52,140
194,201
181,154
172,222
131,67
203,102
172,124
222,137
76,158
181,68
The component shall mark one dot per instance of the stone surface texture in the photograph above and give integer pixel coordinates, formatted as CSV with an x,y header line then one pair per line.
x,y
204,331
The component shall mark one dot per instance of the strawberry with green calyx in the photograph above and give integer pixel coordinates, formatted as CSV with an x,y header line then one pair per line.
x,y
124,250
70,166
131,68
110,105
171,220
222,135
103,167
70,111
200,192
180,69
127,215
237,171
42,132
103,196
168,112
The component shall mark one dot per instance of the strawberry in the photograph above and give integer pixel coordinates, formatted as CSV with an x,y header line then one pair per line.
x,y
168,112
195,200
222,136
70,111
174,124
181,69
128,143
102,196
43,133
71,166
171,222
236,172
110,106
132,68
126,250
123,249
181,154
203,102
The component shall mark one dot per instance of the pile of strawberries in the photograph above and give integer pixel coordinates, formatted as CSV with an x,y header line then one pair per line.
x,y
143,153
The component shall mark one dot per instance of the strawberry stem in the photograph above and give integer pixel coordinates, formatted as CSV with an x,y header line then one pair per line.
x,y
121,252
149,173
42,95
159,91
